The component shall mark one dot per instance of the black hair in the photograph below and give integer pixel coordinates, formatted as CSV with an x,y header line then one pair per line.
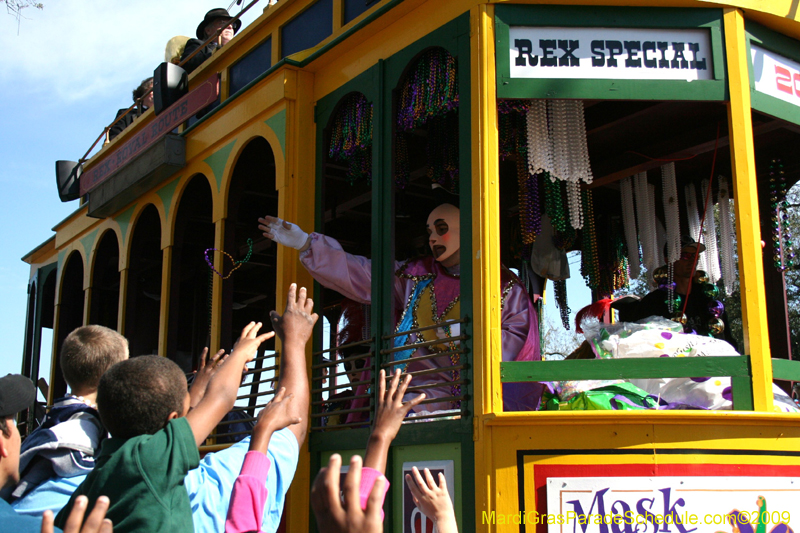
x,y
136,397
4,427
142,89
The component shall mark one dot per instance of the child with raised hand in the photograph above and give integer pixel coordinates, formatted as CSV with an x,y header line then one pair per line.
x,y
432,500
249,490
249,493
348,516
144,403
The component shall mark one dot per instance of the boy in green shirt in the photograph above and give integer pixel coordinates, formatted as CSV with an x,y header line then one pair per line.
x,y
144,403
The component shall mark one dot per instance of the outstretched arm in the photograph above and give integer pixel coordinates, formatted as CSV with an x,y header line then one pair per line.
x,y
294,329
224,385
389,417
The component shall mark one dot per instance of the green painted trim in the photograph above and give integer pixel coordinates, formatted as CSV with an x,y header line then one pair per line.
x,y
61,255
124,219
277,123
780,45
610,17
87,243
742,391
427,452
784,369
167,193
218,160
644,368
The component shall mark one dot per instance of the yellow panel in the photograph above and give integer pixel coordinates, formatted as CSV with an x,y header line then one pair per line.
x,y
748,230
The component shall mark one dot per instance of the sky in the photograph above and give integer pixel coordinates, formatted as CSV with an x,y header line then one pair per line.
x,y
65,72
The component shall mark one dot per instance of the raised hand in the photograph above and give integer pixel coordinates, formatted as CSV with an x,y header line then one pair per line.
x,y
204,373
284,232
249,341
277,415
294,327
389,415
335,516
95,523
433,500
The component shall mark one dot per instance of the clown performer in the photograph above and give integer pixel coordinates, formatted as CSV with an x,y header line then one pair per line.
x,y
426,292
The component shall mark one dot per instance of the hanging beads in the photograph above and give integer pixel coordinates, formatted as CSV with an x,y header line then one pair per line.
x,y
560,290
782,245
629,225
710,239
351,137
430,90
727,241
694,221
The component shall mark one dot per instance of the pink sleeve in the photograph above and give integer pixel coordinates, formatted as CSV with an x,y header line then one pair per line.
x,y
335,269
368,478
520,343
249,495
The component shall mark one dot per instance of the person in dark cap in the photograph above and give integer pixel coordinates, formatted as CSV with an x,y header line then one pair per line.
x,y
16,394
214,21
703,314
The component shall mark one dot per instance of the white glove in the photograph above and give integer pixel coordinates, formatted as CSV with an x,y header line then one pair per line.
x,y
293,237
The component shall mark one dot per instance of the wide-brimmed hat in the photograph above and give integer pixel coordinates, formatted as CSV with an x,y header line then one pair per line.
x,y
689,242
211,16
16,393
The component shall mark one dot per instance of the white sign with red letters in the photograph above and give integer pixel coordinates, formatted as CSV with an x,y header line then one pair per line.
x,y
776,75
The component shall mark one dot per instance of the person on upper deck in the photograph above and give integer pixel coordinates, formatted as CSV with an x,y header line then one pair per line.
x,y
215,20
143,98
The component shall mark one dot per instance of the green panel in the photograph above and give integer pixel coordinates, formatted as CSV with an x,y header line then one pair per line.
x,y
610,17
277,123
88,242
786,370
346,455
218,160
123,219
644,368
166,193
61,256
742,390
781,45
430,452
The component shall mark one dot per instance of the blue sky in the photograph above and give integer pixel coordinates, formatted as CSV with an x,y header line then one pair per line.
x,y
65,72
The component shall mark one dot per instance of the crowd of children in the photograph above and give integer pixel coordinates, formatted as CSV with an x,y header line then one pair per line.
x,y
121,452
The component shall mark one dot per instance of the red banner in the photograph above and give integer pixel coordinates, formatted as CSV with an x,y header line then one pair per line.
x,y
167,121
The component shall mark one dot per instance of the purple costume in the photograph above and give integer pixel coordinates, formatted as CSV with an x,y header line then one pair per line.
x,y
351,276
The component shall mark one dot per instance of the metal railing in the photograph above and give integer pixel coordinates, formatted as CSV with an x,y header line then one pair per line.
x,y
342,388
256,391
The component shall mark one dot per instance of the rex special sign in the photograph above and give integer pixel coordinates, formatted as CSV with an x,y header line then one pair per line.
x,y
610,53
691,504
775,75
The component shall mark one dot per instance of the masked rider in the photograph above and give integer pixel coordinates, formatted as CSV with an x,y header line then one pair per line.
x,y
426,292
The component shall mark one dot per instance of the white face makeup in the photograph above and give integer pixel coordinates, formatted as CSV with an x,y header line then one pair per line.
x,y
444,234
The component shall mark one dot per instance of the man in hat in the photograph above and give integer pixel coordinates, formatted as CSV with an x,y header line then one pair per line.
x,y
216,20
698,311
17,393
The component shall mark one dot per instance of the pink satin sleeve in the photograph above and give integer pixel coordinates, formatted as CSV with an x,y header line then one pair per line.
x,y
249,495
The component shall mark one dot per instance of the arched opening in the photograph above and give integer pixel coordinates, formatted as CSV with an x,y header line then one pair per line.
x,y
70,312
104,308
143,300
190,297
340,381
248,293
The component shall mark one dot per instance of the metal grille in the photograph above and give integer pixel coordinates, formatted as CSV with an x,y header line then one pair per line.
x,y
256,391
426,377
342,388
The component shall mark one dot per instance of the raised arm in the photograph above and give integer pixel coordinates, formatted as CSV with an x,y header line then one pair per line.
x,y
224,385
294,329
